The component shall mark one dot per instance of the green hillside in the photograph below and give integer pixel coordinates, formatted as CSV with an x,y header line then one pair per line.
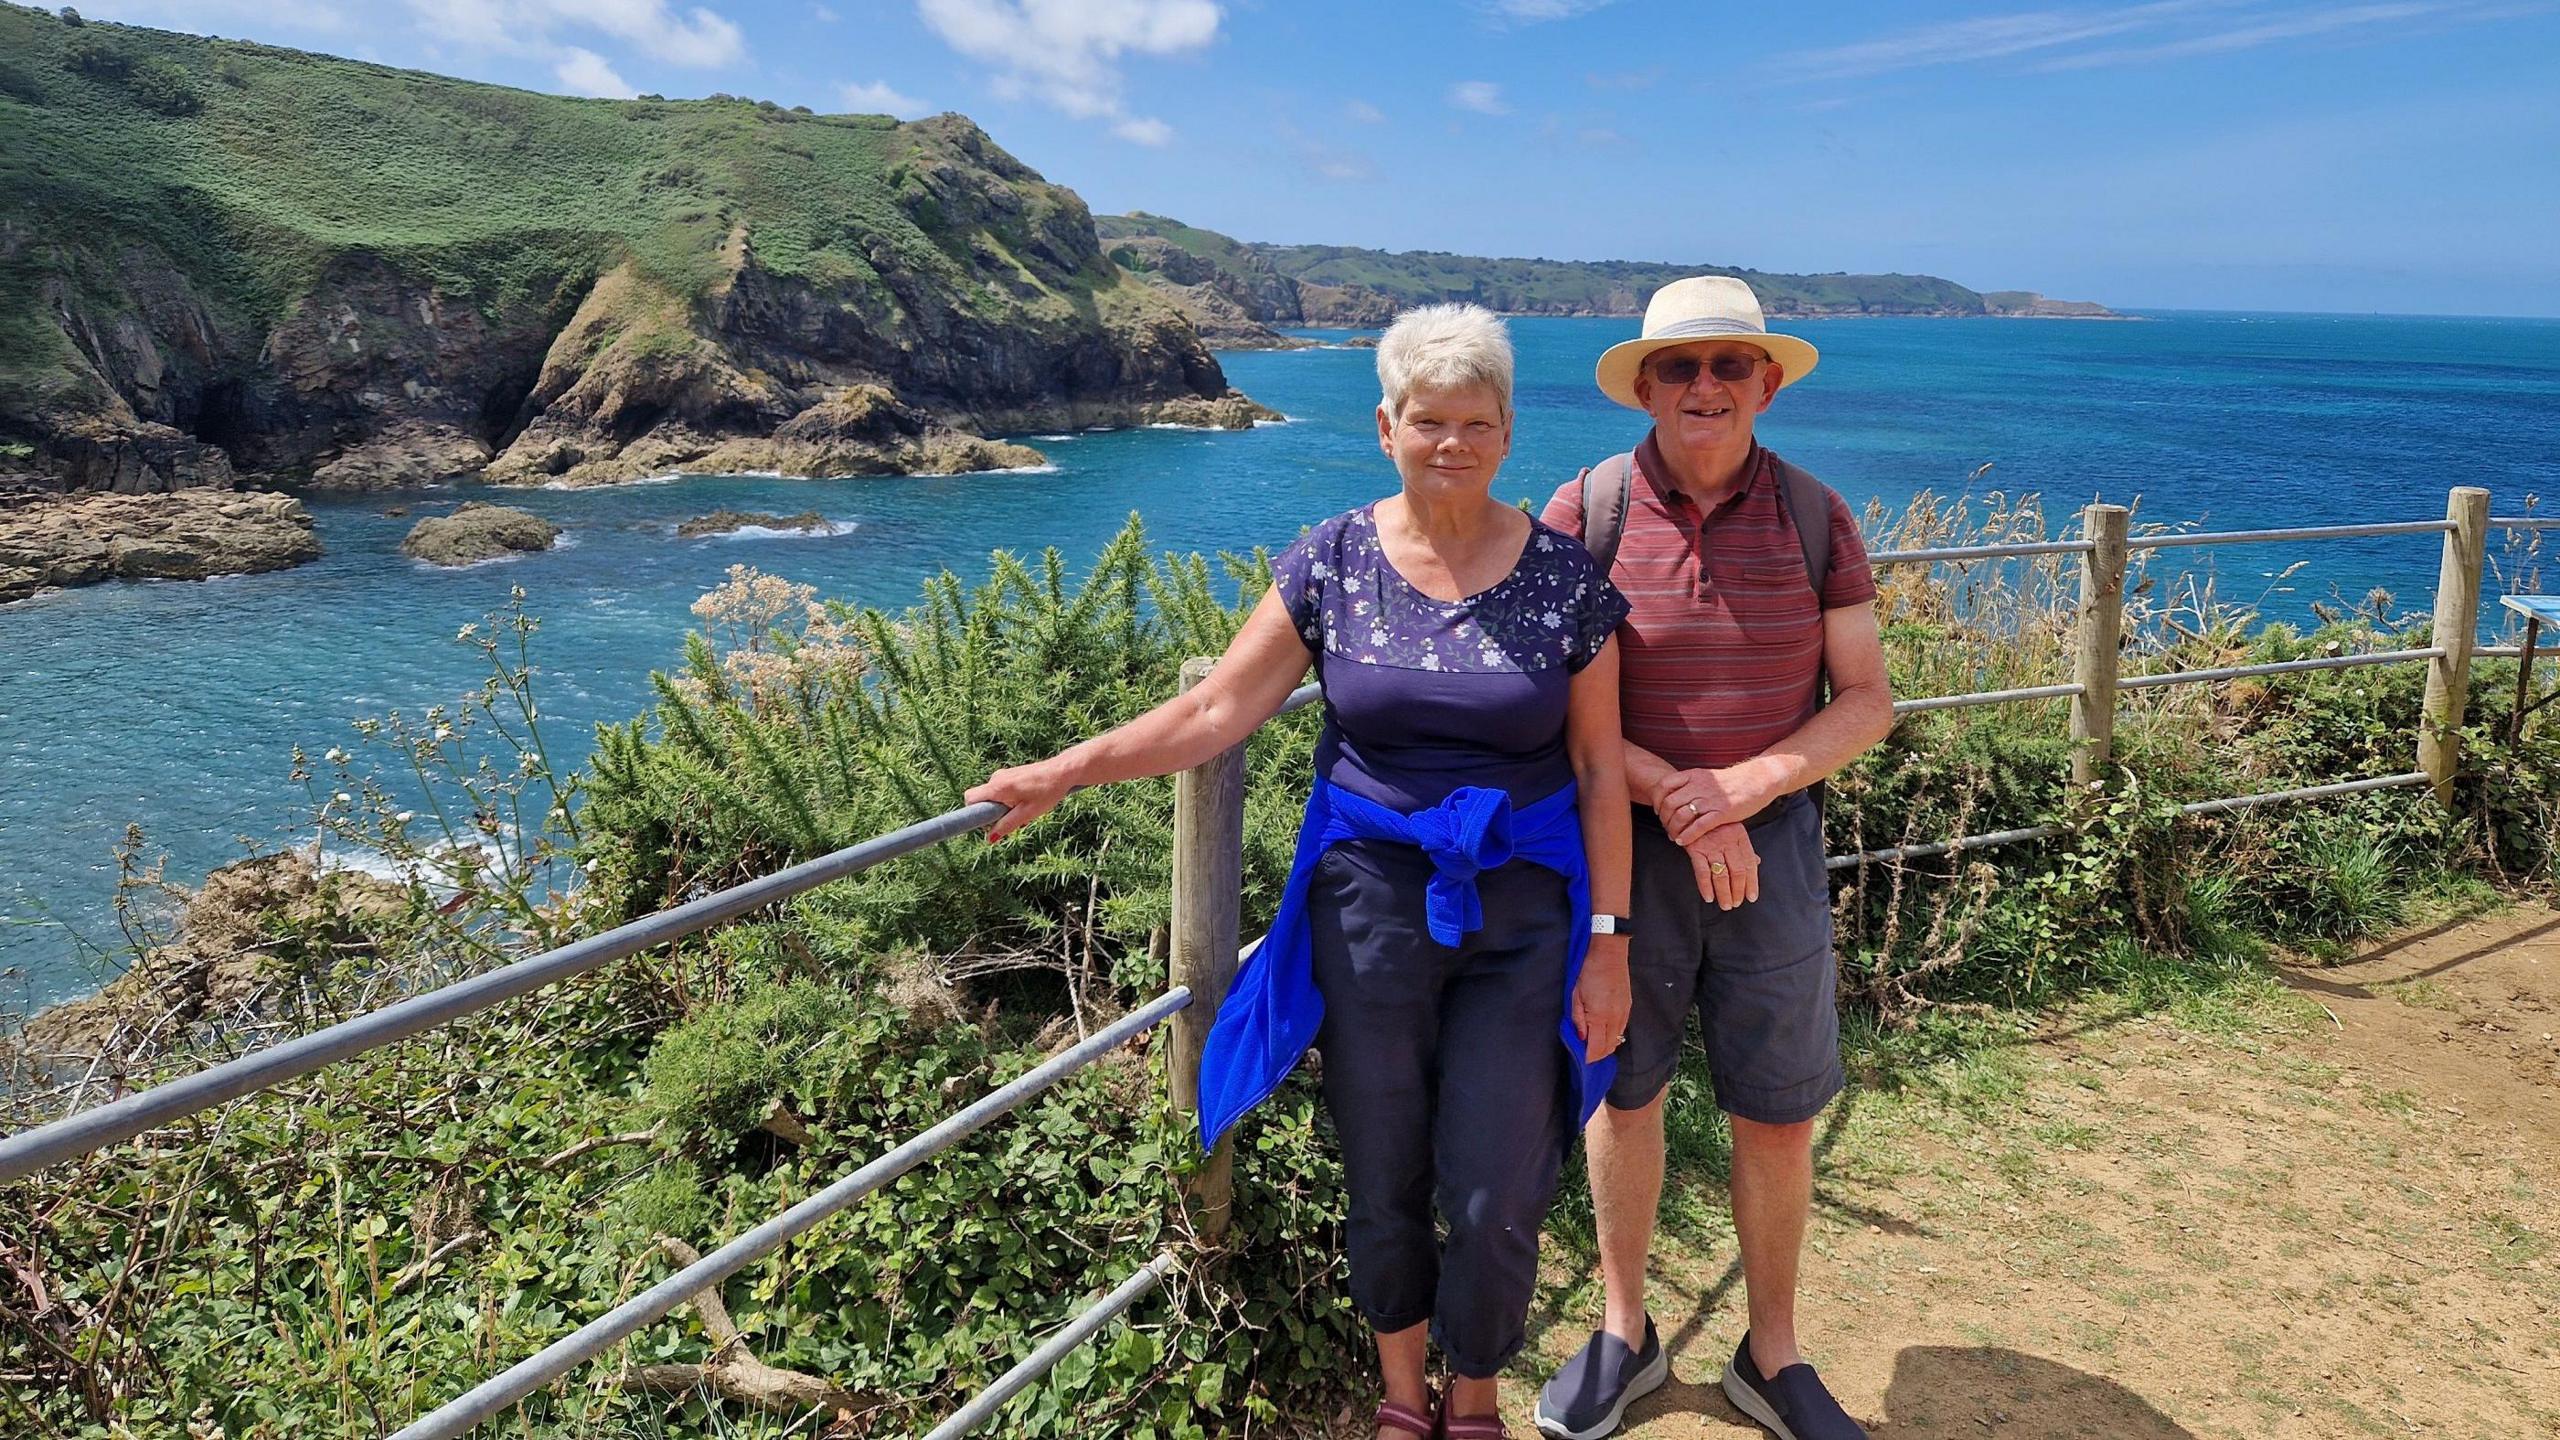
x,y
197,198
1537,286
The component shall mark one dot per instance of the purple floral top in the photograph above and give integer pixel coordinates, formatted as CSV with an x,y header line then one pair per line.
x,y
1422,696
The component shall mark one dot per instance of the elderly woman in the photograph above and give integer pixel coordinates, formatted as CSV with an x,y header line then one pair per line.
x,y
1437,940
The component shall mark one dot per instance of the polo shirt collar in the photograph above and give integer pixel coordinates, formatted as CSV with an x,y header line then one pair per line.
x,y
1649,463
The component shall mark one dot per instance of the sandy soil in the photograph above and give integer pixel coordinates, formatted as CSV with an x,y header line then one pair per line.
x,y
2331,1212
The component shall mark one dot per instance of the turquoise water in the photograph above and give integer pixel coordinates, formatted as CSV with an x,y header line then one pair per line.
x,y
175,705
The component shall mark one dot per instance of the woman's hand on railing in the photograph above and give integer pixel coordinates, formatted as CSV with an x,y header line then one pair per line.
x,y
1727,867
1031,791
1602,997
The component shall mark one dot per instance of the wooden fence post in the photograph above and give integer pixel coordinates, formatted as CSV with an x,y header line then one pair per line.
x,y
2457,612
2095,646
1208,877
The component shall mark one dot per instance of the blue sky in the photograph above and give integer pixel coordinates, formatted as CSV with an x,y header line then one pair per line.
x,y
2394,155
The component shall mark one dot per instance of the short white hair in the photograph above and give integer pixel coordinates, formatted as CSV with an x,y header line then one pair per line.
x,y
1443,347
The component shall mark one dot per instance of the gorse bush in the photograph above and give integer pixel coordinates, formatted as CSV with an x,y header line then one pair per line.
x,y
757,757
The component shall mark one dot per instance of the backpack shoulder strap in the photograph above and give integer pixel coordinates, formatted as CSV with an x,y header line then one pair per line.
x,y
1604,507
1809,510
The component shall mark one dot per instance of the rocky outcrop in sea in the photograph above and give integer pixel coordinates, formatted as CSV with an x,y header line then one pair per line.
x,y
729,522
478,532
48,541
222,964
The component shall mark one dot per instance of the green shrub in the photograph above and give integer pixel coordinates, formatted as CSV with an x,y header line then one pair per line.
x,y
164,86
97,57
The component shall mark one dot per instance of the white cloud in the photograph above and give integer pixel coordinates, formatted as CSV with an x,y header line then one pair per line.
x,y
1364,112
823,15
1067,53
2153,31
1600,137
699,37
1482,96
584,72
1530,12
2247,37
877,98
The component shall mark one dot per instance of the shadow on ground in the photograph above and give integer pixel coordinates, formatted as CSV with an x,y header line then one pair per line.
x,y
1951,1391
1966,1390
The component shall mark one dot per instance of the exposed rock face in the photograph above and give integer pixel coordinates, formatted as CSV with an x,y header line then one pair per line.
x,y
408,454
223,966
1225,306
478,532
725,522
1354,308
192,534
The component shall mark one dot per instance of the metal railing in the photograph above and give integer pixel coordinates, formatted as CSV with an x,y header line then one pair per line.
x,y
2097,655
88,1130
1208,846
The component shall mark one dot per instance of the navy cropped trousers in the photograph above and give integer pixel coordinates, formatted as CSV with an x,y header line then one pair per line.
x,y
1447,1089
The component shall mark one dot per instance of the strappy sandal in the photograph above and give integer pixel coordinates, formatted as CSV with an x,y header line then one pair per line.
x,y
1470,1427
1392,1416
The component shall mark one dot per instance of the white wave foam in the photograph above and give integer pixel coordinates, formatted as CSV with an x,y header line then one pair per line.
x,y
670,478
1054,439
768,532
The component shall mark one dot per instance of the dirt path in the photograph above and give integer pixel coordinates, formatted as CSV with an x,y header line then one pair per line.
x,y
2330,1214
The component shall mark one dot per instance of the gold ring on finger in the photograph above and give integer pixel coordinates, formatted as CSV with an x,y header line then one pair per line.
x,y
1715,867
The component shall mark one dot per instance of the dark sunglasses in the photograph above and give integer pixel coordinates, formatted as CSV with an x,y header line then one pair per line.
x,y
1678,370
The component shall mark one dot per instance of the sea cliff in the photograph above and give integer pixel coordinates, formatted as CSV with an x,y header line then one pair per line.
x,y
226,263
1236,290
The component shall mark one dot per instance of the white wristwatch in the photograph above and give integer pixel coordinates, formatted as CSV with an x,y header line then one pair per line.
x,y
1611,925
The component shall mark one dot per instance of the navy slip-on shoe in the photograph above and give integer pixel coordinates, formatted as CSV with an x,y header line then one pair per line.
x,y
1792,1404
1590,1395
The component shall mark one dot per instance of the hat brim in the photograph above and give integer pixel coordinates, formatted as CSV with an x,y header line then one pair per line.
x,y
1621,363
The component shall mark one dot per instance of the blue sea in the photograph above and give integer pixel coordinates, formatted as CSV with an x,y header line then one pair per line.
x,y
174,706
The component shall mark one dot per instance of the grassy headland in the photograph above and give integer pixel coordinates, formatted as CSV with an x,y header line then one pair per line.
x,y
210,248
1347,285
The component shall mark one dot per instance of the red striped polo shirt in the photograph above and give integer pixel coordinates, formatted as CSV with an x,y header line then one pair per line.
x,y
1722,656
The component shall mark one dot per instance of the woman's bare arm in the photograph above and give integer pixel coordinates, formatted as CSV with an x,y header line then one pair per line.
x,y
1254,677
1601,999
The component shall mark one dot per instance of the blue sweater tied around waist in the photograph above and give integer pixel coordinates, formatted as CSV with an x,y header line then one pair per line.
x,y
1273,1010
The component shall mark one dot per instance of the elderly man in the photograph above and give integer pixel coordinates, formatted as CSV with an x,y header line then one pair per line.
x,y
1751,596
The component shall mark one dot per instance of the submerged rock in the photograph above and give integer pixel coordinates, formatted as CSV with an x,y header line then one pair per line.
x,y
49,540
724,522
478,532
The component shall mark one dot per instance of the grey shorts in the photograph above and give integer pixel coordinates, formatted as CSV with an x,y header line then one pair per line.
x,y
1760,976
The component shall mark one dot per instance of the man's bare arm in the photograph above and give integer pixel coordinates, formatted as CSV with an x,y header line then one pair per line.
x,y
1859,715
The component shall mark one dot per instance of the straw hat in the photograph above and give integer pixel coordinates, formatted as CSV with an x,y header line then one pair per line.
x,y
1702,307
